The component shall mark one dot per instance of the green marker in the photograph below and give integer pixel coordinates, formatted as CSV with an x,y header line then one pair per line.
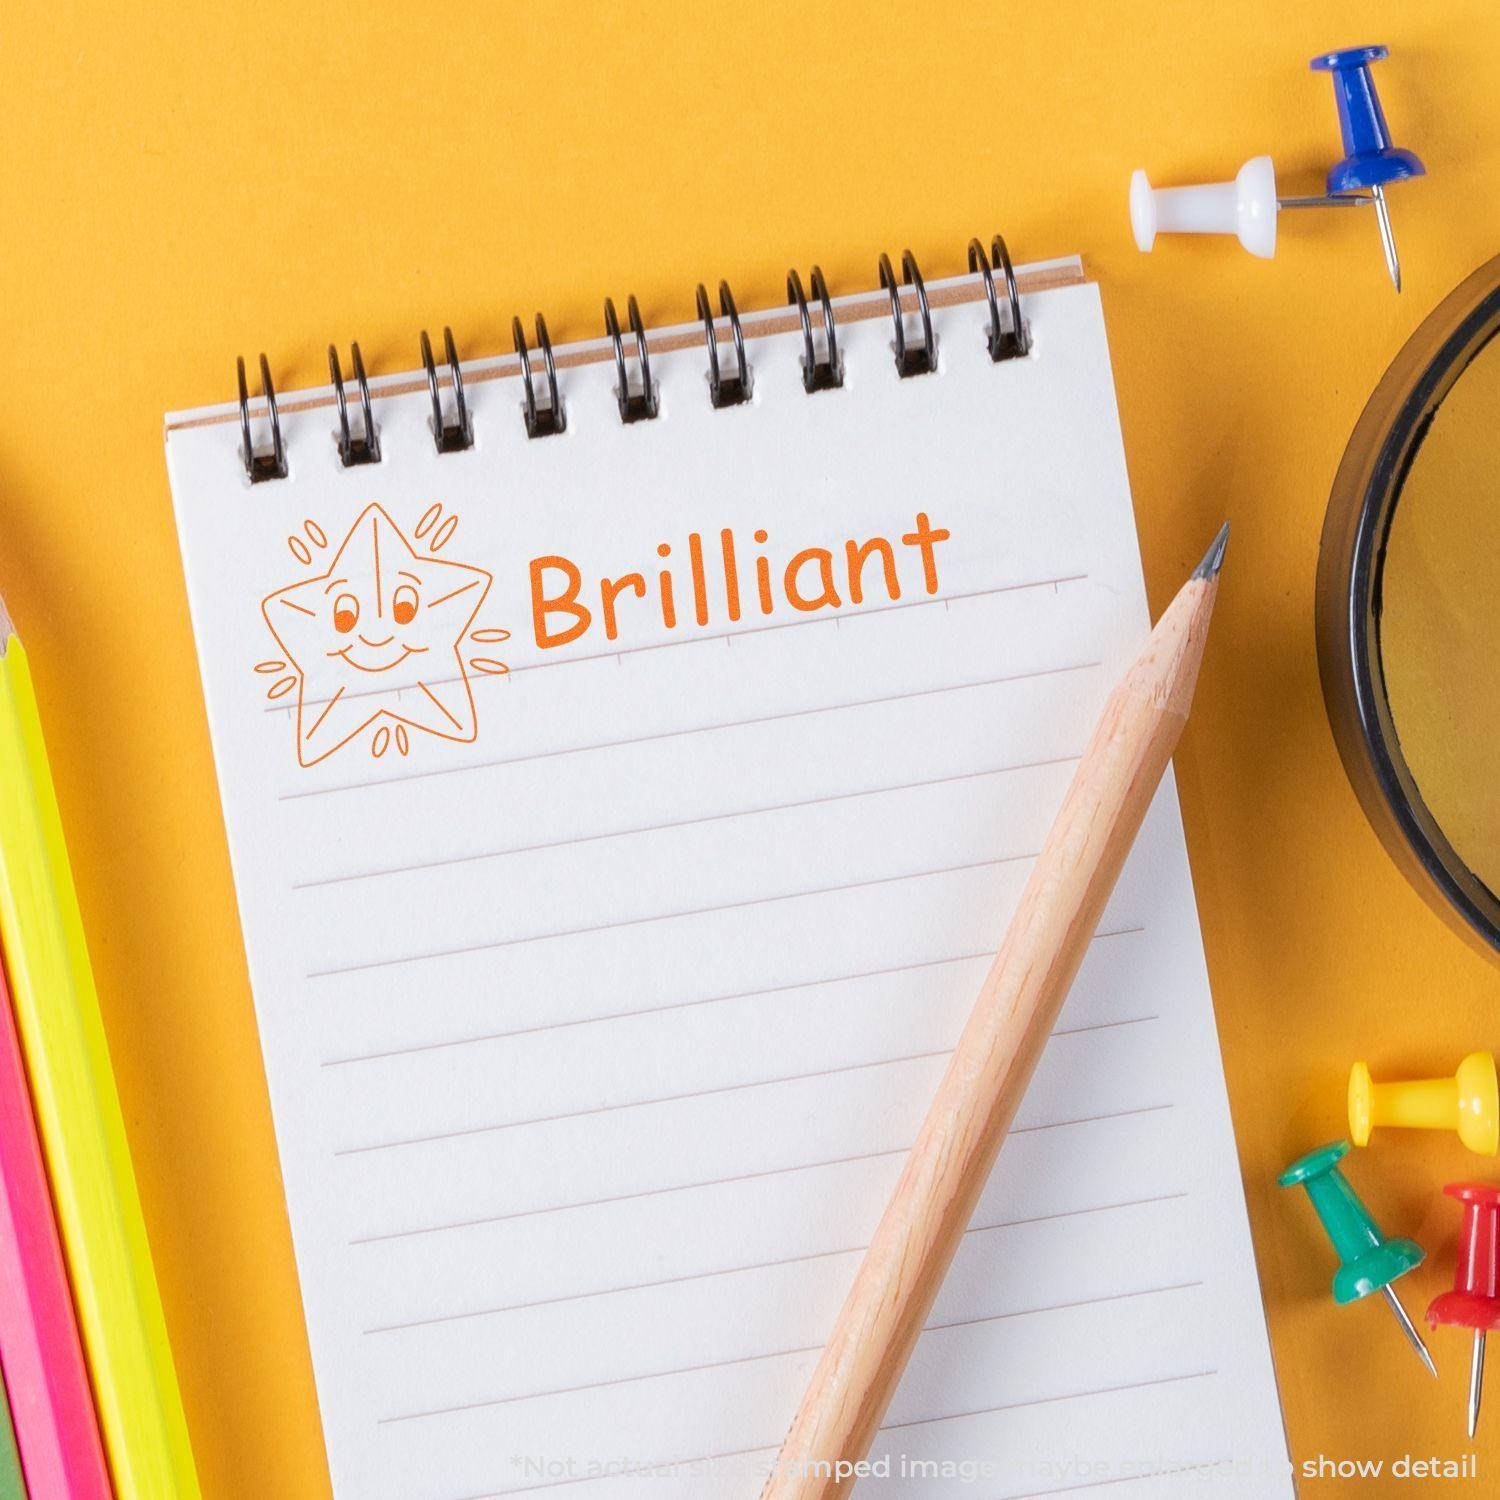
x,y
1369,1261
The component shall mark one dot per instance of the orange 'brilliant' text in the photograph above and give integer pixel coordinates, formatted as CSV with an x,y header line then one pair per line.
x,y
563,610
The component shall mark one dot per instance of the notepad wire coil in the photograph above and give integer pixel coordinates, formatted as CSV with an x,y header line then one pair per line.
x,y
729,373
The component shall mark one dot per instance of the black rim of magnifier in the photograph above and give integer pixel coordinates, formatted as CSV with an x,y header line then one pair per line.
x,y
1350,583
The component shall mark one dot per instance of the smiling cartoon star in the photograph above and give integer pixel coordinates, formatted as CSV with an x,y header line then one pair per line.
x,y
378,635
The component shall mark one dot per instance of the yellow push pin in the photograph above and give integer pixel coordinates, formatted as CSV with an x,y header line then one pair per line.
x,y
1469,1103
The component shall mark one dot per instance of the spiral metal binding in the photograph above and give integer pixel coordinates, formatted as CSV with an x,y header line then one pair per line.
x,y
724,390
635,406
541,421
826,374
911,360
259,466
455,436
1007,337
1004,343
366,448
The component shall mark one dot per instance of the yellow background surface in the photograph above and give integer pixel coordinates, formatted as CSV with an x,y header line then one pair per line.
x,y
184,183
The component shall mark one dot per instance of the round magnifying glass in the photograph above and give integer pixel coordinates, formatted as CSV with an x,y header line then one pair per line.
x,y
1409,608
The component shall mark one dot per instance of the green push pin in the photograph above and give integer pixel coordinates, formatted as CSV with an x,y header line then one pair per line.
x,y
1369,1261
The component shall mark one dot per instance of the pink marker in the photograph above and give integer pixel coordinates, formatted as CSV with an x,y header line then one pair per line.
x,y
45,1376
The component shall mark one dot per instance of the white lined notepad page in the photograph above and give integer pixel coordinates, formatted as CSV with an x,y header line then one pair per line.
x,y
600,996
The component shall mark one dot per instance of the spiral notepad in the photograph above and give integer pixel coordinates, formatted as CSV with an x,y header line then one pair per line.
x,y
631,751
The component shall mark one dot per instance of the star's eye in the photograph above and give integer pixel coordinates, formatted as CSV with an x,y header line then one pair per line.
x,y
345,613
404,605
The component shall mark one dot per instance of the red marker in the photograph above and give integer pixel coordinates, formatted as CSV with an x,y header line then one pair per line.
x,y
1474,1301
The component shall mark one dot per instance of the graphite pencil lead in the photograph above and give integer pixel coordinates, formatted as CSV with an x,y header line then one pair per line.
x,y
1213,559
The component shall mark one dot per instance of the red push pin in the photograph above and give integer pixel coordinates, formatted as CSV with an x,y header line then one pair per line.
x,y
1474,1301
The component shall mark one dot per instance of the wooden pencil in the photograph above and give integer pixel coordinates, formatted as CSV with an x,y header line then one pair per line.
x,y
78,1115
1017,1008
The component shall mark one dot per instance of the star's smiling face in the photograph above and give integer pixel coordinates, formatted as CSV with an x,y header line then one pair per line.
x,y
379,633
376,616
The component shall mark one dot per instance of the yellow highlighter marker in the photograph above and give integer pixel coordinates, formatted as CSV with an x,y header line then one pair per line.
x,y
78,1115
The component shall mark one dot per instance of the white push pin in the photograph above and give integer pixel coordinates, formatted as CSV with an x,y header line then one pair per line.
x,y
1245,208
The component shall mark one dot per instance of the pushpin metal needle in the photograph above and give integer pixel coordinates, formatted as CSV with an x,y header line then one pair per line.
x,y
1369,1262
1387,239
1476,1381
1324,200
1409,1328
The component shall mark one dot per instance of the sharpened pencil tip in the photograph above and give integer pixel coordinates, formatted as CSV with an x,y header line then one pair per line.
x,y
1213,559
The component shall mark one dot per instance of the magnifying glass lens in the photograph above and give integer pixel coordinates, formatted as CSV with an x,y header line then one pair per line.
x,y
1408,609
1439,616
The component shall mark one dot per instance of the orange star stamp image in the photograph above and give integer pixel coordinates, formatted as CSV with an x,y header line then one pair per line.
x,y
378,644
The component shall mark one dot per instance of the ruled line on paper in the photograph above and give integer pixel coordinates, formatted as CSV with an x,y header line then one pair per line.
x,y
692,729
771,1449
666,916
717,1091
657,1010
720,635
764,1265
417,1048
1104,1025
747,1359
609,1109
764,1172
660,1192
678,823
1109,1390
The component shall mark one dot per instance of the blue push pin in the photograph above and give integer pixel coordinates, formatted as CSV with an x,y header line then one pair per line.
x,y
1370,160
